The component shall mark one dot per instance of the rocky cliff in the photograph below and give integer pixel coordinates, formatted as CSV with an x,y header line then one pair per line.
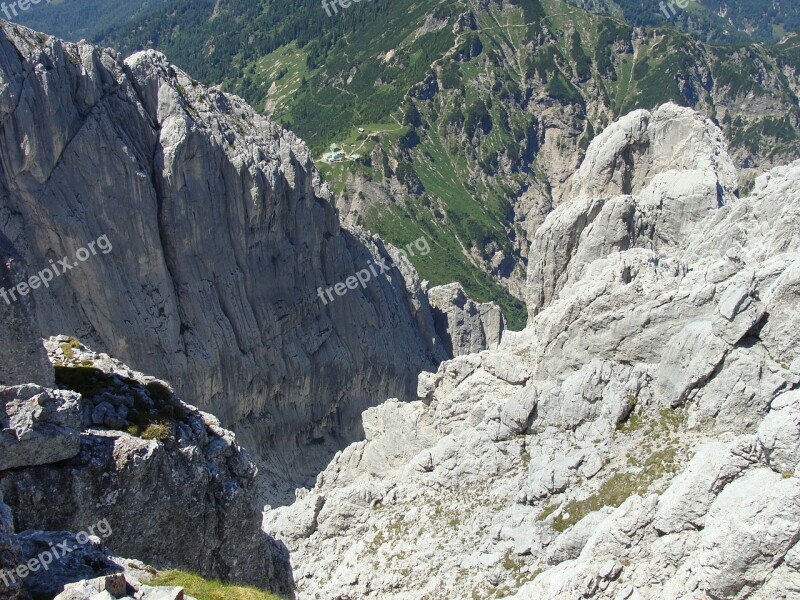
x,y
113,446
639,439
219,240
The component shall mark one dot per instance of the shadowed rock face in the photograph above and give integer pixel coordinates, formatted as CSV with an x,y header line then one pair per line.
x,y
9,553
464,325
221,235
118,454
22,356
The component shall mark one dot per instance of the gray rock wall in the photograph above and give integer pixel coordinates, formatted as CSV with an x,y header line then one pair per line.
x,y
221,237
464,325
10,589
22,356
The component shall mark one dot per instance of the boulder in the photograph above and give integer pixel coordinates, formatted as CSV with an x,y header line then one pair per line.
x,y
38,426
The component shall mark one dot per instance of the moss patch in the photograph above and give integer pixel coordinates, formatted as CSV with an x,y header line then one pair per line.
x,y
68,347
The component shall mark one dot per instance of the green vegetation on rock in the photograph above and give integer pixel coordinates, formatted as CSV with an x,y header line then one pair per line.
x,y
205,589
450,106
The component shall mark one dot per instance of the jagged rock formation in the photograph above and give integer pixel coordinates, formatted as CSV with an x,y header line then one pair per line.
x,y
627,193
222,237
120,448
87,560
640,439
465,326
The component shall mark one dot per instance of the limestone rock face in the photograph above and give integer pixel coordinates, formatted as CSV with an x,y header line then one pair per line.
x,y
639,439
465,326
39,426
629,155
647,181
166,482
220,243
22,357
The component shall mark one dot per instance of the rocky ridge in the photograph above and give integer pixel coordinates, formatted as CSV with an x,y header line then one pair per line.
x,y
222,236
639,439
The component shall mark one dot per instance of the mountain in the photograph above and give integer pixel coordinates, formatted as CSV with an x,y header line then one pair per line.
x,y
639,439
474,117
218,245
713,20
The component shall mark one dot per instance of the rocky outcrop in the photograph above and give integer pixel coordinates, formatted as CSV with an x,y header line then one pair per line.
x,y
119,448
120,587
648,181
220,239
465,326
89,570
638,440
38,426
60,558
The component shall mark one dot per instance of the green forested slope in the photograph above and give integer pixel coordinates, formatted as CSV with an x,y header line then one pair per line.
x,y
76,19
713,20
473,113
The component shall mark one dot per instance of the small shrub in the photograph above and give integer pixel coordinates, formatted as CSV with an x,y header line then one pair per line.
x,y
157,431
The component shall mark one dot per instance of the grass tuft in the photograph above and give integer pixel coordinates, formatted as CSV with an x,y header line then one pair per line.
x,y
204,589
157,431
